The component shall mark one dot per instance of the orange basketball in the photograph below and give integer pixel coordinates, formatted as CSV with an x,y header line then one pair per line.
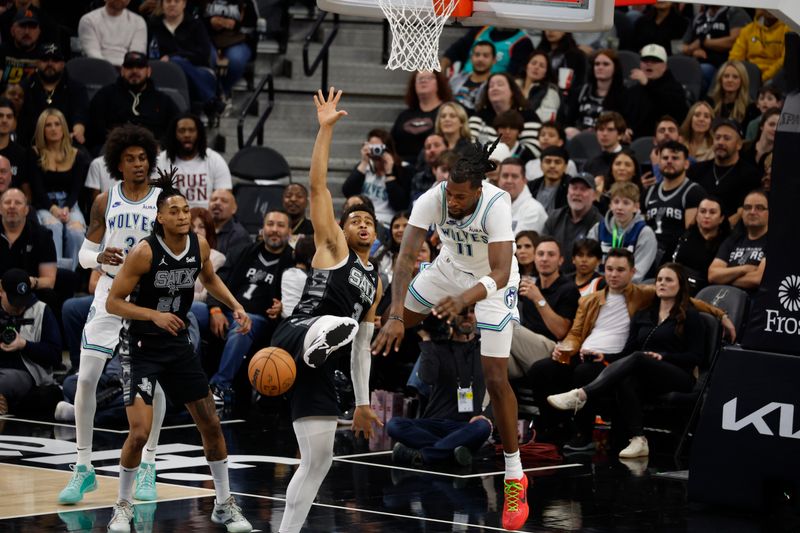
x,y
272,371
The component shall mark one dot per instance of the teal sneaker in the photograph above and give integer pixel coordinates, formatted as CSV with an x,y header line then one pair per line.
x,y
146,482
82,480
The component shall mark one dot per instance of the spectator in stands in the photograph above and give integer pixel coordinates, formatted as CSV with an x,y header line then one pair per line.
x,y
503,94
757,151
110,32
696,131
526,212
624,167
762,42
6,178
98,179
201,170
769,97
253,274
547,306
728,176
380,175
564,53
16,95
551,189
550,134
432,150
74,314
16,155
232,25
447,431
58,172
698,246
526,242
50,86
766,179
294,279
25,244
538,86
671,206
710,38
230,233
655,93
512,47
667,129
183,40
386,254
610,129
573,221
586,256
604,90
203,225
741,259
28,360
295,202
665,343
509,125
18,56
468,84
661,24
47,20
426,91
625,227
452,125
731,94
132,99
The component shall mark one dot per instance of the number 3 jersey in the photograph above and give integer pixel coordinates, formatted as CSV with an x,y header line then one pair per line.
x,y
465,242
127,222
168,287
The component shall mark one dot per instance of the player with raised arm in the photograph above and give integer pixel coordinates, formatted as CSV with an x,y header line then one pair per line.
x,y
120,218
159,276
337,308
473,220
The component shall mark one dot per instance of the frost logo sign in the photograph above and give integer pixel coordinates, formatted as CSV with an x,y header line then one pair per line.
x,y
789,298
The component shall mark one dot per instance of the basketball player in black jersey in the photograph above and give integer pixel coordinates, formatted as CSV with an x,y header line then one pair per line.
x,y
154,347
337,308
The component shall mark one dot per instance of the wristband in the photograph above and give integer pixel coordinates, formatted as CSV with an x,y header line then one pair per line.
x,y
490,284
87,255
398,318
215,311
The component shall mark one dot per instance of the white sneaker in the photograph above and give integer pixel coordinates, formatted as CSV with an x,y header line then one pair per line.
x,y
65,412
121,517
338,334
567,401
230,514
637,448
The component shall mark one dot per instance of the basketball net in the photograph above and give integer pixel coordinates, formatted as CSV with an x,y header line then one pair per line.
x,y
416,28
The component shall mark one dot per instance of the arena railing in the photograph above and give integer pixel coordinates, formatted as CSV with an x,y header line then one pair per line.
x,y
309,67
257,134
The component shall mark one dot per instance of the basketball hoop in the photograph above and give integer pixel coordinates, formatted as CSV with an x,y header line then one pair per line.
x,y
416,28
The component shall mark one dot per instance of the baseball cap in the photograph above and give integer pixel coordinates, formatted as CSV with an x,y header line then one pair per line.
x,y
51,51
585,178
28,16
134,59
17,286
732,124
654,51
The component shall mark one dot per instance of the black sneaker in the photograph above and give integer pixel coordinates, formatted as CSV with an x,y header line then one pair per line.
x,y
462,455
404,455
580,443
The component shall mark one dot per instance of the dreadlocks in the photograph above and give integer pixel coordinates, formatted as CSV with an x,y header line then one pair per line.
x,y
168,190
474,163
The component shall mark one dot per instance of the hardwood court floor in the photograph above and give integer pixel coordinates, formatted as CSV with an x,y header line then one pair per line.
x,y
363,492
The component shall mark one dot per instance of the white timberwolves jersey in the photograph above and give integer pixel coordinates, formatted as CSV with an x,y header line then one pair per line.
x,y
466,242
127,222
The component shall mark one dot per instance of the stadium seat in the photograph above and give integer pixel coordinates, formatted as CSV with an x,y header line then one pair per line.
x,y
730,299
754,77
642,147
94,73
584,146
254,201
170,79
687,71
259,163
629,61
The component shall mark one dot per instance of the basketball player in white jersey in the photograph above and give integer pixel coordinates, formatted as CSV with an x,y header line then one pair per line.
x,y
120,218
476,266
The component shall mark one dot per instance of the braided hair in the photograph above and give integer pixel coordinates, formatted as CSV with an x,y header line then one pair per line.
x,y
474,164
165,182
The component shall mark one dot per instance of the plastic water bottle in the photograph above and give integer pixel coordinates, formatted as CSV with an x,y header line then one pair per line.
x,y
154,51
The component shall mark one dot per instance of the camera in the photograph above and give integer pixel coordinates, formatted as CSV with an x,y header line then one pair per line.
x,y
376,151
10,326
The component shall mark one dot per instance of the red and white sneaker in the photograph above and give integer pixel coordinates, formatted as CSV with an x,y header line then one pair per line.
x,y
515,507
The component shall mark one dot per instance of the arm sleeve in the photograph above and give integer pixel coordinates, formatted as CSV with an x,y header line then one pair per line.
x,y
354,183
498,220
360,361
87,35
46,352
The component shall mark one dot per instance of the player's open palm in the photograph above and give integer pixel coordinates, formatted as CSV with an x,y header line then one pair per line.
x,y
327,115
363,419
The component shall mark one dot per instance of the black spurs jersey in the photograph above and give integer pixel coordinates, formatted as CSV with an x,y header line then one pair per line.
x,y
169,285
346,290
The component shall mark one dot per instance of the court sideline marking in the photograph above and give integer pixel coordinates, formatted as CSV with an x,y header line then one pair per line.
x,y
458,476
12,418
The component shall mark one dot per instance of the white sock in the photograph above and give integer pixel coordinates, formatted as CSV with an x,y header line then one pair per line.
x,y
219,469
513,465
159,409
85,405
126,478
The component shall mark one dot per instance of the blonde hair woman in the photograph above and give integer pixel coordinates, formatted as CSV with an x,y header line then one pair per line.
x,y
731,93
57,175
452,123
696,130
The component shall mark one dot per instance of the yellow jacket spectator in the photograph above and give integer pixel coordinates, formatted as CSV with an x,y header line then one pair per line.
x,y
761,42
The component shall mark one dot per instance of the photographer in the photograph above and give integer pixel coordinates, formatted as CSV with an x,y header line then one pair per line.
x,y
381,176
30,342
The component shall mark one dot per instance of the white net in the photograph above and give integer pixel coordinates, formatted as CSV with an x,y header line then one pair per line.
x,y
416,27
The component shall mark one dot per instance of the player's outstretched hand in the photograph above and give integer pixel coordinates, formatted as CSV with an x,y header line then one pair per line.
x,y
363,419
327,115
243,319
389,337
169,322
449,307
